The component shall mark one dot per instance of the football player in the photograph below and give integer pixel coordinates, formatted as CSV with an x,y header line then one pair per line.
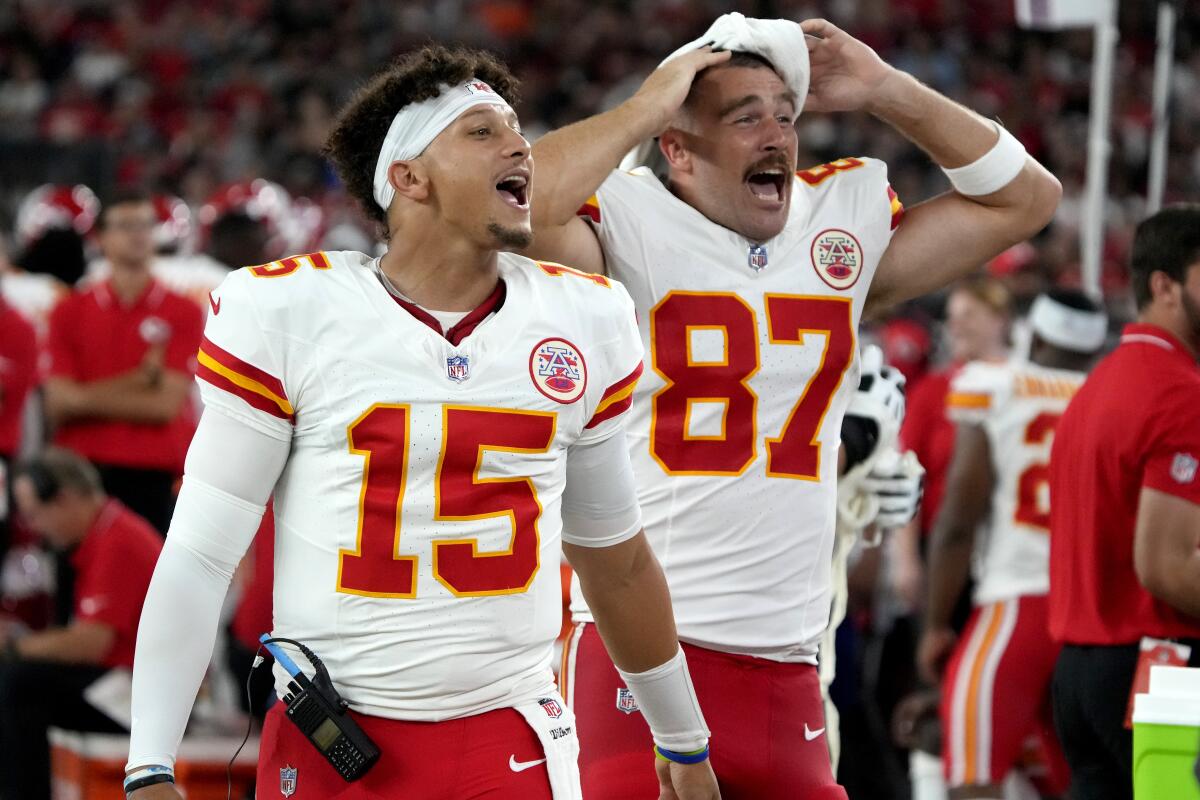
x,y
749,280
426,422
996,686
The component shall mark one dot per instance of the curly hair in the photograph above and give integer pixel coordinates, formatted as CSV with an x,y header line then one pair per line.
x,y
361,126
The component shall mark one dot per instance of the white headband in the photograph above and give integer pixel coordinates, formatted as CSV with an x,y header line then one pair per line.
x,y
1069,328
418,124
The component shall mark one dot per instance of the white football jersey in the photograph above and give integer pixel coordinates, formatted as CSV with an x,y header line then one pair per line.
x,y
1018,405
417,520
751,362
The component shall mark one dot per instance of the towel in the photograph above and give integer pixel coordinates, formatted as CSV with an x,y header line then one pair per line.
x,y
554,724
779,41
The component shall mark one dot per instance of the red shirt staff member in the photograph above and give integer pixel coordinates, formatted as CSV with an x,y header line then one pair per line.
x,y
43,675
1125,521
122,356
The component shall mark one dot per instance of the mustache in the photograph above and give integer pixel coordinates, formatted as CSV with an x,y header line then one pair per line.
x,y
771,161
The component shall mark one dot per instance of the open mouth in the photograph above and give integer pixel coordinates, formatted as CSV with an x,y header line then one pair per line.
x,y
514,190
767,184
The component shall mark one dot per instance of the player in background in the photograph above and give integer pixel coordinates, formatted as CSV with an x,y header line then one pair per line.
x,y
995,678
426,422
750,280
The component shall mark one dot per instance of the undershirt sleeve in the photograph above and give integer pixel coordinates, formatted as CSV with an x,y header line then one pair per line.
x,y
230,473
599,504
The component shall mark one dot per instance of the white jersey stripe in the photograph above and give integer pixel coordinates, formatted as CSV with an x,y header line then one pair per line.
x,y
958,712
1008,610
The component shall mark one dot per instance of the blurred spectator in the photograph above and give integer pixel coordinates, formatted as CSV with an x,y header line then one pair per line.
x,y
978,317
44,675
237,240
18,375
992,526
121,358
22,96
1125,521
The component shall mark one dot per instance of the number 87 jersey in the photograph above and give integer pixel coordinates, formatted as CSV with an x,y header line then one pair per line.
x,y
751,363
418,516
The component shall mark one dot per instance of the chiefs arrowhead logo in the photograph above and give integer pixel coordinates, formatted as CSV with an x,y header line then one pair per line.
x,y
215,303
837,258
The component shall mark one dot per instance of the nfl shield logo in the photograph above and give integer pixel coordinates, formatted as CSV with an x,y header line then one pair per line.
x,y
551,707
1183,468
458,368
287,781
757,257
625,701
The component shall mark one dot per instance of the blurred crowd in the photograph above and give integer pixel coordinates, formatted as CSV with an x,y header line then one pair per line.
x,y
187,97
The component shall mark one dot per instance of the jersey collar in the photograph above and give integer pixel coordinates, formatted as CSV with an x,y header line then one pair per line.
x,y
150,297
1145,333
463,328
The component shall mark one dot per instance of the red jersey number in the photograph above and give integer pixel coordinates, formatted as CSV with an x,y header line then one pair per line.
x,y
795,452
1033,486
380,435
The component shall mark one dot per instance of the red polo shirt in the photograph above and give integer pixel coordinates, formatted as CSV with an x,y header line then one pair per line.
x,y
929,433
94,336
1134,423
113,565
18,374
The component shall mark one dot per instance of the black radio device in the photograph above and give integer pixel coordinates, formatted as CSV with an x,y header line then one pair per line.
x,y
316,708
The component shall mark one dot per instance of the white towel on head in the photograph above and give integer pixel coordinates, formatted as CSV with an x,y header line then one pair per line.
x,y
780,41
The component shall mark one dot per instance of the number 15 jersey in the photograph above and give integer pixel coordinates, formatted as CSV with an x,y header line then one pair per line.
x,y
751,363
421,500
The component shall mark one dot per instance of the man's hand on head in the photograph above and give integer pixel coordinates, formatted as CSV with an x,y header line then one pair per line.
x,y
662,94
846,74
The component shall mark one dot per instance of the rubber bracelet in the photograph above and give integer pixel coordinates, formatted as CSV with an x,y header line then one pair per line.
x,y
148,776
694,757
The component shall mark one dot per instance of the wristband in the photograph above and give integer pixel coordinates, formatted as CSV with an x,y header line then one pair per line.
x,y
668,702
148,776
694,757
992,171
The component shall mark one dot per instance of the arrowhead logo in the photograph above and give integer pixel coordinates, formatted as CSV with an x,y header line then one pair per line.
x,y
810,734
216,304
521,766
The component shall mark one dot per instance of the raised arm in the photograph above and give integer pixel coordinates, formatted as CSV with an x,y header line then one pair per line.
x,y
572,162
951,235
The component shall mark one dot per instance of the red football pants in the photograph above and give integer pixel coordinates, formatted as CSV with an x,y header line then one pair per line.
x,y
996,697
483,757
766,718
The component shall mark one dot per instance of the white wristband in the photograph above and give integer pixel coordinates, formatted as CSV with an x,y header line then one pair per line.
x,y
668,702
994,170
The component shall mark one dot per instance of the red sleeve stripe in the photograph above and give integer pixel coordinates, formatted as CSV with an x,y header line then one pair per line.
x,y
614,410
254,399
616,399
590,209
622,387
225,370
897,207
229,360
